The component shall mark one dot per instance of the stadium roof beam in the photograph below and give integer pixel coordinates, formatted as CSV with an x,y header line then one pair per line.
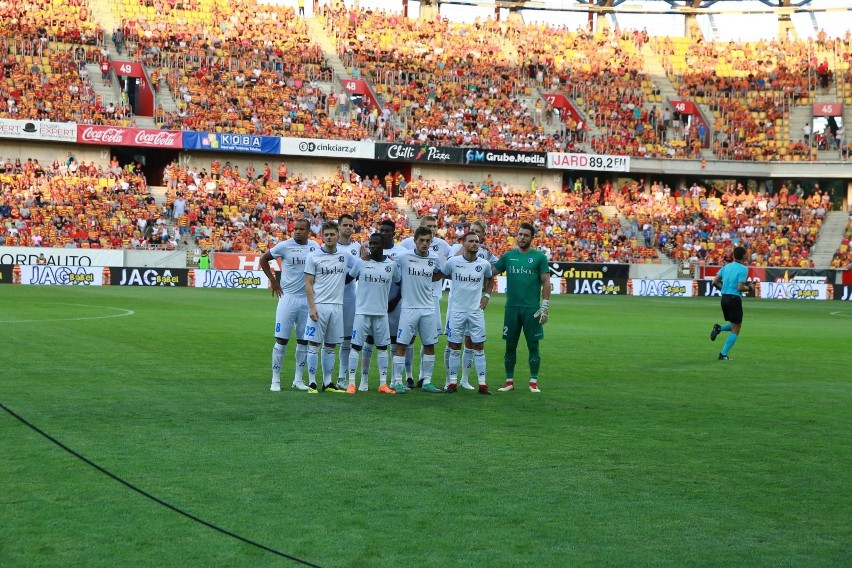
x,y
785,3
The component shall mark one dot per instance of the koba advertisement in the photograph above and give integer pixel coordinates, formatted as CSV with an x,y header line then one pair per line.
x,y
252,279
5,274
229,142
46,275
667,288
148,276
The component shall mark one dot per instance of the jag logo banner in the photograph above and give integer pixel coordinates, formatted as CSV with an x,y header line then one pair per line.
x,y
843,293
46,275
148,276
5,274
666,288
597,287
255,279
706,289
793,291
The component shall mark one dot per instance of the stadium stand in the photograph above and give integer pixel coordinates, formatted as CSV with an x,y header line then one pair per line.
x,y
570,225
750,87
843,257
234,211
698,224
247,67
239,66
71,204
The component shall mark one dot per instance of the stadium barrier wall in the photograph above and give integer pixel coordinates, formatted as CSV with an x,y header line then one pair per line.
x,y
85,275
92,257
96,147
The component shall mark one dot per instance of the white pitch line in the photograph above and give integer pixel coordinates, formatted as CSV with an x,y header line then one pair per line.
x,y
125,312
844,314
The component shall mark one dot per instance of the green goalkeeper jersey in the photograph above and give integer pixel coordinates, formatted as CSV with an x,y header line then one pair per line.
x,y
523,277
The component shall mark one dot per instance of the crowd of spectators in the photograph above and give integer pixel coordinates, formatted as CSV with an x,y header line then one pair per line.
x,y
252,67
570,225
43,21
226,210
701,224
78,205
242,66
843,257
88,205
751,88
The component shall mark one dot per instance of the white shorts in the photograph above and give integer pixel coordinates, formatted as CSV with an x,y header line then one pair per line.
x,y
348,318
414,321
329,328
291,311
377,326
466,324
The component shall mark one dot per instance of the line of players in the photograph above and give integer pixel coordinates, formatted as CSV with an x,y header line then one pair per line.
x,y
398,298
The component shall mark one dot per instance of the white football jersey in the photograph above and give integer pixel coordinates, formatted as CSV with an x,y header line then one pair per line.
x,y
329,271
466,279
417,280
293,255
441,249
374,281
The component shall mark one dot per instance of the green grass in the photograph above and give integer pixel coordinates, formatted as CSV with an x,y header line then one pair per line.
x,y
641,450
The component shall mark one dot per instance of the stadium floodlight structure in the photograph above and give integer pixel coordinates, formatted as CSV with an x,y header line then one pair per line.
x,y
598,10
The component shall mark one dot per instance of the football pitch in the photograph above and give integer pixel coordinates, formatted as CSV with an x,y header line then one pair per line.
x,y
641,450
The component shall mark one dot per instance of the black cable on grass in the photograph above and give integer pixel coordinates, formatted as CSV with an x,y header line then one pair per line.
x,y
154,498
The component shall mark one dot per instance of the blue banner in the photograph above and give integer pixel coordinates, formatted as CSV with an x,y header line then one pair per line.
x,y
228,142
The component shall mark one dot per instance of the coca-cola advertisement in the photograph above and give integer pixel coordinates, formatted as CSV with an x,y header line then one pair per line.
x,y
139,137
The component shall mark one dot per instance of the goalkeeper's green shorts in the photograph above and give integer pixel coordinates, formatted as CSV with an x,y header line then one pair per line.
x,y
516,319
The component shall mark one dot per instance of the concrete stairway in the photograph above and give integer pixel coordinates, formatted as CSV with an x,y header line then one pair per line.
x,y
554,125
329,48
830,235
413,219
654,68
163,98
108,94
799,116
101,12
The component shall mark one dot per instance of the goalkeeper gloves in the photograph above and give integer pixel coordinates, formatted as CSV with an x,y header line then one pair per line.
x,y
541,314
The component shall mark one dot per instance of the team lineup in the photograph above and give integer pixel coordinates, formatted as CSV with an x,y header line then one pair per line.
x,y
347,303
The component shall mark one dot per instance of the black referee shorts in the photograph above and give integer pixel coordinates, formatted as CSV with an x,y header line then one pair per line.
x,y
732,308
